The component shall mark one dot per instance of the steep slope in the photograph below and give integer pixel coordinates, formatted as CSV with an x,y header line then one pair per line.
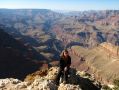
x,y
16,60
102,60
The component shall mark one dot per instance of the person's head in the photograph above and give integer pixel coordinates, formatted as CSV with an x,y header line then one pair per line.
x,y
65,53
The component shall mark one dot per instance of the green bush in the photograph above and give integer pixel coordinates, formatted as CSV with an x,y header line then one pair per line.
x,y
116,83
116,88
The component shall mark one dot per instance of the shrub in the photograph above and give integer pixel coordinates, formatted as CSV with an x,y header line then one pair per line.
x,y
116,83
105,87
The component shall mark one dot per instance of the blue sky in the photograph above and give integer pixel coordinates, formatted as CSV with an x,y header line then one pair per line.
x,y
61,4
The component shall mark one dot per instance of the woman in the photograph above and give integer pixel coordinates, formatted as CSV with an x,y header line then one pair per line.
x,y
65,62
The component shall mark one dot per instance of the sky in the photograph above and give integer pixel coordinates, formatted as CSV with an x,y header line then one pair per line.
x,y
74,5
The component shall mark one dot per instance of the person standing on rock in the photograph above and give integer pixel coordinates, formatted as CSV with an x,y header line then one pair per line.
x,y
64,66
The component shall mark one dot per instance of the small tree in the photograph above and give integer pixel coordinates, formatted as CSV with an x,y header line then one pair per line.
x,y
105,87
116,83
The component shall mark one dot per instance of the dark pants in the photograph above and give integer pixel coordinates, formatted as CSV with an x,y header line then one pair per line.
x,y
63,74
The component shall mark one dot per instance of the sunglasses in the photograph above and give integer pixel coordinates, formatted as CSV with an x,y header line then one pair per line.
x,y
65,53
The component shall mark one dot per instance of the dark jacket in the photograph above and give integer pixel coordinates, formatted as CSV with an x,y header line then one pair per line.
x,y
65,62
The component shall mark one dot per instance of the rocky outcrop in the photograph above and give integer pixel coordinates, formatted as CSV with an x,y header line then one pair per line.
x,y
68,87
47,82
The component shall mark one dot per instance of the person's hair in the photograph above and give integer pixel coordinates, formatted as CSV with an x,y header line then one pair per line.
x,y
62,53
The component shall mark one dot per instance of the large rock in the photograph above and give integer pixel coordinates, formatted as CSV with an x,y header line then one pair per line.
x,y
75,82
68,87
41,84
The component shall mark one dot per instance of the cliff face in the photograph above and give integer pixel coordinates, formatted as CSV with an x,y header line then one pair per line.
x,y
102,61
16,60
32,27
78,81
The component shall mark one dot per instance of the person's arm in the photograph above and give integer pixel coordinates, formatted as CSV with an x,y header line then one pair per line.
x,y
61,62
69,62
